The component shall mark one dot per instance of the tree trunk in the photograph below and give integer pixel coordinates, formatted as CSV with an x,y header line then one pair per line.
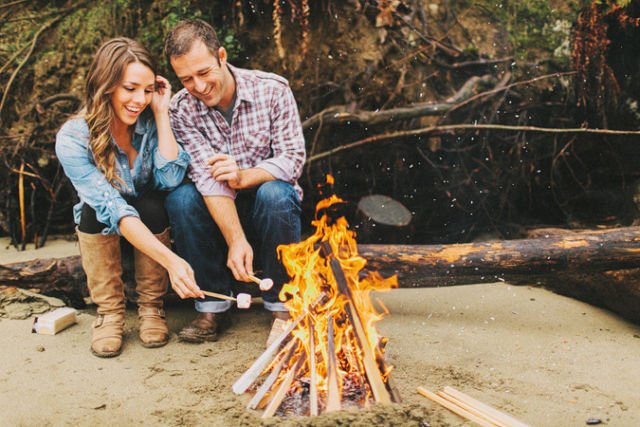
x,y
601,267
63,277
438,265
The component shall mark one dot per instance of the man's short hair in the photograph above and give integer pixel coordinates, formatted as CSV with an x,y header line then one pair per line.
x,y
182,37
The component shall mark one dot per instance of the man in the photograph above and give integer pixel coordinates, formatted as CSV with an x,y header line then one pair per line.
x,y
243,132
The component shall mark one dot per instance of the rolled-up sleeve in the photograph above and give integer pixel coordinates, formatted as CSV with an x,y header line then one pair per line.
x,y
91,184
287,139
168,174
200,151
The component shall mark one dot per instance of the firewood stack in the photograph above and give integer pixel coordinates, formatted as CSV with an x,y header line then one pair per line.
x,y
330,357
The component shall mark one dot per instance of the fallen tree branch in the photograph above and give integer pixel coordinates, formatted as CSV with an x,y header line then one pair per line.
x,y
13,3
341,113
47,102
590,250
509,86
476,63
448,49
438,130
33,18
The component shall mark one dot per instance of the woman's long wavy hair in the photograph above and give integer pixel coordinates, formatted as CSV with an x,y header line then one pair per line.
x,y
105,73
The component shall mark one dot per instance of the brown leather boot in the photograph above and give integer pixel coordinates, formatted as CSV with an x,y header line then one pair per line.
x,y
101,261
151,285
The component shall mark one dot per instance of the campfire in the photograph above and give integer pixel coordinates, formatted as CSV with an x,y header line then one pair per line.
x,y
330,357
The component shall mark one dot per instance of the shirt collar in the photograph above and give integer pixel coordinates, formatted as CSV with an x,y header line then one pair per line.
x,y
243,90
142,124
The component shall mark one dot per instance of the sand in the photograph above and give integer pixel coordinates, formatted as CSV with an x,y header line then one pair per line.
x,y
544,359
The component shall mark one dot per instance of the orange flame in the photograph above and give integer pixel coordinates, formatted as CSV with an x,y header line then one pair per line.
x,y
312,276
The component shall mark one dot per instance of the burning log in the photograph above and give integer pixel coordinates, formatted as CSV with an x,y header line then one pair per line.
x,y
257,400
371,367
333,392
279,395
327,298
248,378
313,386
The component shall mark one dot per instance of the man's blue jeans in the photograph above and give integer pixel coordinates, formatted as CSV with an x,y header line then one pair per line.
x,y
270,216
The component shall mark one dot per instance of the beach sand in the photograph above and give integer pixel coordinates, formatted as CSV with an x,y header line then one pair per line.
x,y
545,359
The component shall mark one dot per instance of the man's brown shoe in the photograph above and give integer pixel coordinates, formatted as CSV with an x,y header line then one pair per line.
x,y
205,327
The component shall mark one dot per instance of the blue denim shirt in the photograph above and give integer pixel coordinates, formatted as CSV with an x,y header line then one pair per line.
x,y
150,171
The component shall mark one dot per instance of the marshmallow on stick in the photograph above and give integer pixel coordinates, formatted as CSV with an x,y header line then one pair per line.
x,y
243,300
265,284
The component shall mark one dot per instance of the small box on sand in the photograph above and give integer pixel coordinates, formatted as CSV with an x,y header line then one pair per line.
x,y
55,321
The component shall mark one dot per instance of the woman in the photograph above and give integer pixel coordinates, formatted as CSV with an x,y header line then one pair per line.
x,y
119,155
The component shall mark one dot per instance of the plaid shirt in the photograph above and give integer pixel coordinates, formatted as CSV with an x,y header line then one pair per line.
x,y
265,132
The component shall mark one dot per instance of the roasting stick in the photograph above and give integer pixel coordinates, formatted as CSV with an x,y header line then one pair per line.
x,y
499,416
455,408
220,296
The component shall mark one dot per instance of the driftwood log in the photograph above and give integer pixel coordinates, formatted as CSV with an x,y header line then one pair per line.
x,y
601,267
341,114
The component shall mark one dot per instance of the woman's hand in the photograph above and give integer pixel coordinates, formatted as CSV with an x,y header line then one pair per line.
x,y
161,96
182,279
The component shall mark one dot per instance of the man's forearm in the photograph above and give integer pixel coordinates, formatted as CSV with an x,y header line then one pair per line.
x,y
240,257
224,213
253,177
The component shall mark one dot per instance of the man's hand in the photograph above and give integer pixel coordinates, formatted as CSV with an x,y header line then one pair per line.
x,y
225,169
240,260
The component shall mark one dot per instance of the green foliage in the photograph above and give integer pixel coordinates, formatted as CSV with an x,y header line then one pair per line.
x,y
150,21
535,27
85,29
471,50
228,39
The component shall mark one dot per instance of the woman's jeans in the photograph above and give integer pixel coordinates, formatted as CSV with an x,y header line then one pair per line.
x,y
150,207
270,216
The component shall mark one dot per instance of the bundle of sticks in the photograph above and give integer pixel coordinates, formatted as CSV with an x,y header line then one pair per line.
x,y
324,361
470,408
